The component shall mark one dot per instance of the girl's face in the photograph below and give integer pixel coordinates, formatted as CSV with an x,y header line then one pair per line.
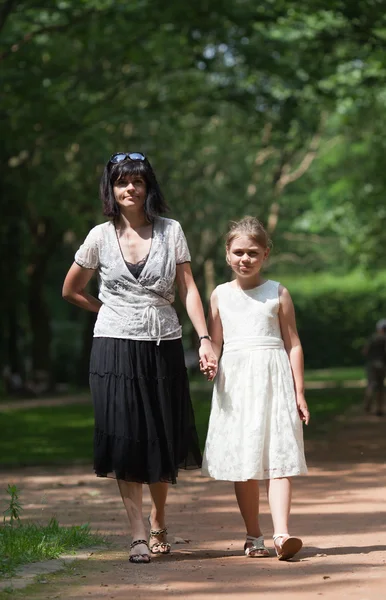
x,y
130,192
246,256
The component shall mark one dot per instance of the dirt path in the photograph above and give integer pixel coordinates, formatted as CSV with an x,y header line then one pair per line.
x,y
339,510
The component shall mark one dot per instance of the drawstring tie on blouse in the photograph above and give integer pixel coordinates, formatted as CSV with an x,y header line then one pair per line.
x,y
150,317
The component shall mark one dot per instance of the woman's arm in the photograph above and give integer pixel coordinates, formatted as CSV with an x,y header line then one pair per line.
x,y
216,334
190,298
74,286
294,350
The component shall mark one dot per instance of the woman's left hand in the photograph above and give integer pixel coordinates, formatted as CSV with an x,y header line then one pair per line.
x,y
208,360
303,411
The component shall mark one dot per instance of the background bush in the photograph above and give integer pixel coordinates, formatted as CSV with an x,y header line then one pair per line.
x,y
335,315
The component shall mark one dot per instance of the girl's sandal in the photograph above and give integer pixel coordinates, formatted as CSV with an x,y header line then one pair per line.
x,y
159,547
288,548
139,558
257,550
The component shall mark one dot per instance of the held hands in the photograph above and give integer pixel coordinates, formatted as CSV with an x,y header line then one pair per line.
x,y
303,411
208,360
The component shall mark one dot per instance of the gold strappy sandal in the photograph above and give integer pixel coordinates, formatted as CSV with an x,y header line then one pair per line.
x,y
139,558
158,547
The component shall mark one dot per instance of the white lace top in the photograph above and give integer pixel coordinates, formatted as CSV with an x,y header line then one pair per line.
x,y
138,309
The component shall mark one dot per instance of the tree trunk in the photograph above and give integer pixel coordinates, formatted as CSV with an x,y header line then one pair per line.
x,y
39,311
40,322
11,357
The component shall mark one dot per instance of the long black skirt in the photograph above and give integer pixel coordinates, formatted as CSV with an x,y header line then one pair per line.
x,y
144,420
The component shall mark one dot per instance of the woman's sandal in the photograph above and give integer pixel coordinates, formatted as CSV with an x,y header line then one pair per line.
x,y
257,550
139,558
158,547
289,547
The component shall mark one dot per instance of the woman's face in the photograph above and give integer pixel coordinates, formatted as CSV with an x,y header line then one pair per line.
x,y
130,192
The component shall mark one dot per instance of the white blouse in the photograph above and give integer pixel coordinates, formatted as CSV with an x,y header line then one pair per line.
x,y
137,309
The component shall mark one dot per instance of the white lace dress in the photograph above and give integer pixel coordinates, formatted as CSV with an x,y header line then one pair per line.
x,y
254,431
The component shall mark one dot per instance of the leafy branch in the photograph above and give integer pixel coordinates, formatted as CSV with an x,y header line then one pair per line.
x,y
43,30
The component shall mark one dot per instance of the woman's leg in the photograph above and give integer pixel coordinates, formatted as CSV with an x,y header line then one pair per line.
x,y
247,495
131,493
158,493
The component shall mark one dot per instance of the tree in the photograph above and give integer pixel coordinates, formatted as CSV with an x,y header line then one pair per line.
x,y
223,97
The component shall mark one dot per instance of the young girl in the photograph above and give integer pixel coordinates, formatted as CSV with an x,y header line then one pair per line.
x,y
258,405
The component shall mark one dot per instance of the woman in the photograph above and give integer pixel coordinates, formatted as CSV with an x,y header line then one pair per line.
x,y
144,422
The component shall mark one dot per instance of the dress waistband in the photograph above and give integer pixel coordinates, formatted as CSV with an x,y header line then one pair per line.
x,y
253,343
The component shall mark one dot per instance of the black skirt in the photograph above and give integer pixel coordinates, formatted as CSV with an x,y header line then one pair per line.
x,y
144,420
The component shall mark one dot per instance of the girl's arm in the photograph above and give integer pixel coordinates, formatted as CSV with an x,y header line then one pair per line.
x,y
74,286
215,325
294,350
190,298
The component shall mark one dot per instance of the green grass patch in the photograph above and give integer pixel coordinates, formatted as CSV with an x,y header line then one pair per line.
x,y
337,375
324,406
327,404
25,543
64,435
46,435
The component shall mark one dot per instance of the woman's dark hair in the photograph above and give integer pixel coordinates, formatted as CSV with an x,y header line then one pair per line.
x,y
155,202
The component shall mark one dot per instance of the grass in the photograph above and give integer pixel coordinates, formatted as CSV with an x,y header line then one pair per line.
x,y
25,543
47,435
337,375
64,435
324,405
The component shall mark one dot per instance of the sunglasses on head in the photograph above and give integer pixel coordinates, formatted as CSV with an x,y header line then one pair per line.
x,y
120,156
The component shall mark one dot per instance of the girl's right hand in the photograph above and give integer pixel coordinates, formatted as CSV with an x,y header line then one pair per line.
x,y
303,411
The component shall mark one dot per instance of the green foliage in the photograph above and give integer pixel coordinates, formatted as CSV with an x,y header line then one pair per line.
x,y
32,542
335,315
238,105
14,508
345,189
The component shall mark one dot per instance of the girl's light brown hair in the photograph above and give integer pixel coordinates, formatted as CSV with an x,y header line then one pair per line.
x,y
251,227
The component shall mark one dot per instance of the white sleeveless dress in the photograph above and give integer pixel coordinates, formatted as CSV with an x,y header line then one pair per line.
x,y
255,431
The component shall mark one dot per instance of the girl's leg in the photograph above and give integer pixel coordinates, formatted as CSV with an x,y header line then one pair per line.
x,y
247,495
158,492
279,496
279,492
131,493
